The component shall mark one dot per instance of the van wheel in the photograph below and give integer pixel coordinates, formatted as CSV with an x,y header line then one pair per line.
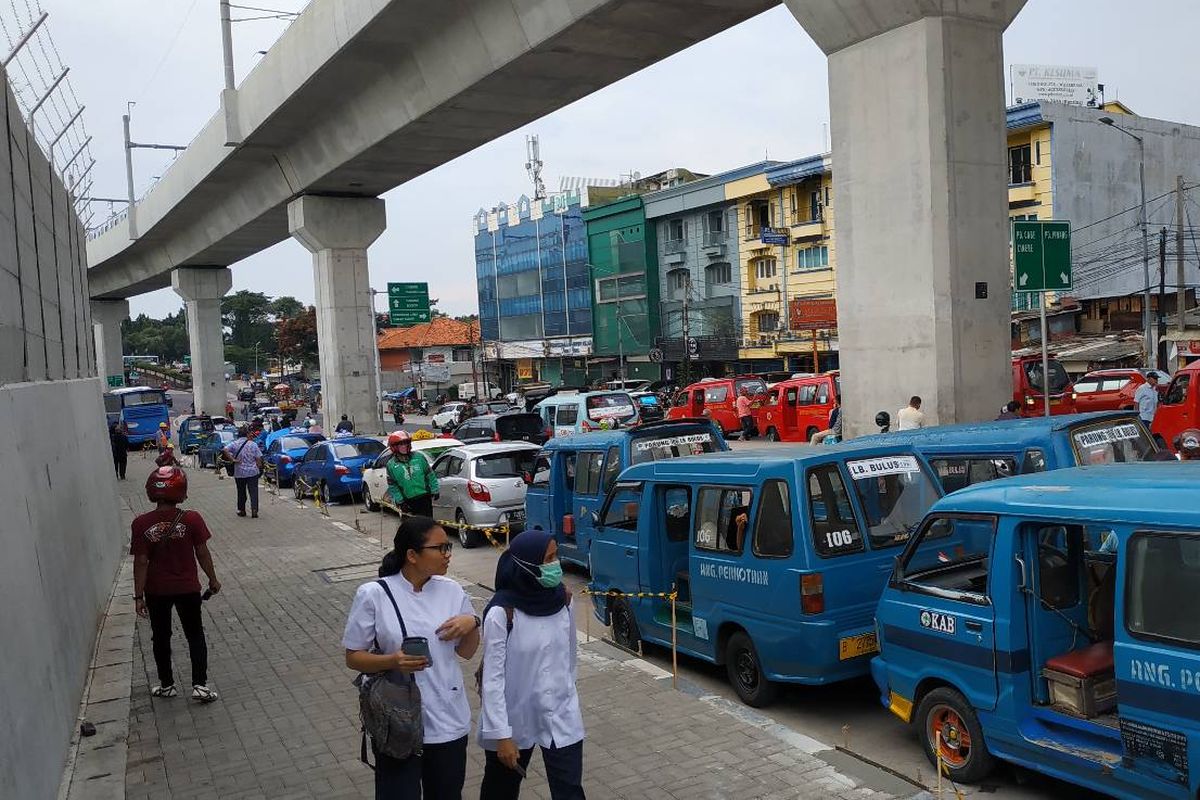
x,y
745,672
772,435
624,624
963,751
808,434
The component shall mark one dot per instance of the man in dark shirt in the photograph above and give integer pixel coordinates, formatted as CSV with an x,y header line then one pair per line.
x,y
119,440
345,426
166,544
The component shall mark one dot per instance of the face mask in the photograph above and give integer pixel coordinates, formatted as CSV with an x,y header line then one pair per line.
x,y
551,574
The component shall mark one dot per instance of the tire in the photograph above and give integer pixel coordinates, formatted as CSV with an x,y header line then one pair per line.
x,y
624,625
808,434
772,435
745,672
469,539
368,500
326,499
964,752
297,490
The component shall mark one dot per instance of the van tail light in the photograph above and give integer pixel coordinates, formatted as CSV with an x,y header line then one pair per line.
x,y
495,436
341,469
568,524
285,459
548,433
812,593
478,492
1029,400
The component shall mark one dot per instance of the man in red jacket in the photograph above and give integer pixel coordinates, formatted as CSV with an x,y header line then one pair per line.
x,y
166,544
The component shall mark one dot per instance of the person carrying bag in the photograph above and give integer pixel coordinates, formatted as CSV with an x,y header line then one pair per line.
x,y
405,633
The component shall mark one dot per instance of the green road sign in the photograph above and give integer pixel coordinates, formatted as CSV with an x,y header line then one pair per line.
x,y
116,380
408,303
1041,255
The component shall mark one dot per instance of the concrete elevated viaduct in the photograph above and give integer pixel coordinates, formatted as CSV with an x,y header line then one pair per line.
x,y
359,96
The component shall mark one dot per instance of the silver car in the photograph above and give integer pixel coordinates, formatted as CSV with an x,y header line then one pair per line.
x,y
483,484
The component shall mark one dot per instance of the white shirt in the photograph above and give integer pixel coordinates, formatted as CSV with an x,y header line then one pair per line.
x,y
529,691
909,418
444,706
1146,398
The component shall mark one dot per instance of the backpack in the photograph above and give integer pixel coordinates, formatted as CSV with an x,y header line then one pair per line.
x,y
508,612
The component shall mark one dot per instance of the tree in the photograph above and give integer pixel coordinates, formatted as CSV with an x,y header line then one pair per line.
x,y
286,308
166,338
298,337
247,315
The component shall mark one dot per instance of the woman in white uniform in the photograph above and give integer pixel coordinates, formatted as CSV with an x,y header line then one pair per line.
x,y
528,677
436,608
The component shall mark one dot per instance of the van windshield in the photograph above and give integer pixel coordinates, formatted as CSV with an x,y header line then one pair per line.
x,y
607,406
895,494
1114,441
755,385
659,445
1058,376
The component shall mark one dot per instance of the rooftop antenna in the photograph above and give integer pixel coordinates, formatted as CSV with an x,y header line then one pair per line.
x,y
534,167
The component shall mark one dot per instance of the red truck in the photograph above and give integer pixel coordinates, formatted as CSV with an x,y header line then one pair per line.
x,y
1027,386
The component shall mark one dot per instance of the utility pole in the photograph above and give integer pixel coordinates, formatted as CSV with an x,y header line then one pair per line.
x,y
131,212
686,378
1180,287
1162,296
227,43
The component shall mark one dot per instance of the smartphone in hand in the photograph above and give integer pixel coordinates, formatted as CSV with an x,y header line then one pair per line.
x,y
415,646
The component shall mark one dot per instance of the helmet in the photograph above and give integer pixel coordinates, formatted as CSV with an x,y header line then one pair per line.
x,y
162,425
399,437
167,485
1188,443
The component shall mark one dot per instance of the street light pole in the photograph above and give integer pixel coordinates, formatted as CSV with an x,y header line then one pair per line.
x,y
1149,344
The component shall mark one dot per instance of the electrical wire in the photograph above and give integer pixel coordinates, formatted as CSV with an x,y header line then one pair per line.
x,y
166,53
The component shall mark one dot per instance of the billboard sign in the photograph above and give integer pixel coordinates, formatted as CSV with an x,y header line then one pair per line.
x,y
1074,86
813,313
773,236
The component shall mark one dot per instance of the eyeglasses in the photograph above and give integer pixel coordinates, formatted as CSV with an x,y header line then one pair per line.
x,y
444,547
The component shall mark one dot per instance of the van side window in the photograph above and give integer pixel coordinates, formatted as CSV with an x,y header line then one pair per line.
x,y
835,530
587,475
1161,601
541,469
621,509
567,414
677,503
772,398
569,471
1059,567
791,396
773,527
959,473
807,393
951,554
722,514
716,394
612,468
1178,390
823,394
1035,461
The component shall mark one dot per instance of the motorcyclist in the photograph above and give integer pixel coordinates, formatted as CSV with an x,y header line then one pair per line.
x,y
1187,445
412,486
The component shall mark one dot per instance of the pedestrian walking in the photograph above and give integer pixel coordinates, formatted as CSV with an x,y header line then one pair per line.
x,y
411,483
228,410
1146,398
742,405
527,679
911,416
118,440
163,439
166,545
247,460
414,621
344,425
1011,410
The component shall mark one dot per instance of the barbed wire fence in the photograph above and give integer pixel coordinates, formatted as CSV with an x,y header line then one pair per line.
x,y
41,81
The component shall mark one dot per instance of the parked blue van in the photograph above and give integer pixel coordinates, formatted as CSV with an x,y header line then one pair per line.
x,y
572,474
778,556
569,411
963,455
1062,634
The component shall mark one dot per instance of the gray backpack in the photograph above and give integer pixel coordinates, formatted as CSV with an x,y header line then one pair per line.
x,y
389,706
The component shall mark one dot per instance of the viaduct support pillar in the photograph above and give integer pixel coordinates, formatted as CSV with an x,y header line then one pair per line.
x,y
202,289
106,327
916,95
338,231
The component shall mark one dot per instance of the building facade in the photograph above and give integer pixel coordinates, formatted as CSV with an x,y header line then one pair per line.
x,y
432,356
623,264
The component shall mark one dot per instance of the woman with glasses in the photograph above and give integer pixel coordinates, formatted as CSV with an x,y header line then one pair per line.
x,y
436,609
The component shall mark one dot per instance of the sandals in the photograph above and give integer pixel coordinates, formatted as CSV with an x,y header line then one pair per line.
x,y
164,691
203,694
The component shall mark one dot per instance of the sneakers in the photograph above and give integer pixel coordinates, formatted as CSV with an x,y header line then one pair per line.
x,y
203,694
164,691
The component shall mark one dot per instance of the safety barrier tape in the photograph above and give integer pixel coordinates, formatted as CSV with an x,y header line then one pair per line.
x,y
672,595
488,531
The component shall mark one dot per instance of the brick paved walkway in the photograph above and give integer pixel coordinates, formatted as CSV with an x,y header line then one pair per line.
x,y
286,724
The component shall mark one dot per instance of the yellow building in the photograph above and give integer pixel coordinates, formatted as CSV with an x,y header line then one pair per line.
x,y
785,255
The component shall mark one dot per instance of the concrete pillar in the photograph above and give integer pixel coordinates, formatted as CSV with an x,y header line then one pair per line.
x,y
106,327
337,231
916,95
202,289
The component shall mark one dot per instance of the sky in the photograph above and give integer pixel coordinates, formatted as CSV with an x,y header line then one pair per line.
x,y
761,88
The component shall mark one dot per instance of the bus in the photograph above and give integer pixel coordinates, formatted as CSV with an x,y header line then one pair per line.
x,y
141,408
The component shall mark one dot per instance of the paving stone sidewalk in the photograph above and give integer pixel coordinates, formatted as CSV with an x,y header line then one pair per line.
x,y
286,725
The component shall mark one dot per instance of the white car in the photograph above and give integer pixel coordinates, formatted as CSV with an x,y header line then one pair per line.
x,y
375,476
447,415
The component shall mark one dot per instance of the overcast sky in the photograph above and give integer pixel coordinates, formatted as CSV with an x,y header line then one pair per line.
x,y
762,87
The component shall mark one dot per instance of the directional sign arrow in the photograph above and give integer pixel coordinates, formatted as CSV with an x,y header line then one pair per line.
x,y
1024,278
1064,278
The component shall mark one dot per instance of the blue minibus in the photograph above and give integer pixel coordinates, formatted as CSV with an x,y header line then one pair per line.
x,y
1053,621
140,408
777,557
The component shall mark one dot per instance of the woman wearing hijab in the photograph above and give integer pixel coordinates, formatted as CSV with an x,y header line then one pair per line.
x,y
528,674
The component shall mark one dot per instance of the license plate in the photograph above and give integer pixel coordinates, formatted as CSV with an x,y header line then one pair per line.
x,y
516,516
854,646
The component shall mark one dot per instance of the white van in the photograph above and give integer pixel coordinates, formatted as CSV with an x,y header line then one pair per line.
x,y
473,390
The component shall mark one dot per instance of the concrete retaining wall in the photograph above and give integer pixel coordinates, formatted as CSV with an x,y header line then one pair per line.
x,y
59,526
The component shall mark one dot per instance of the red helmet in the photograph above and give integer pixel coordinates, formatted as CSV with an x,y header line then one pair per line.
x,y
167,485
399,437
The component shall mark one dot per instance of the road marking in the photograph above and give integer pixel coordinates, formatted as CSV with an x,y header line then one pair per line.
x,y
341,525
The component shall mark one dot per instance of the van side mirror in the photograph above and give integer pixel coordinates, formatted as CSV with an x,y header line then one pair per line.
x,y
596,519
1022,583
